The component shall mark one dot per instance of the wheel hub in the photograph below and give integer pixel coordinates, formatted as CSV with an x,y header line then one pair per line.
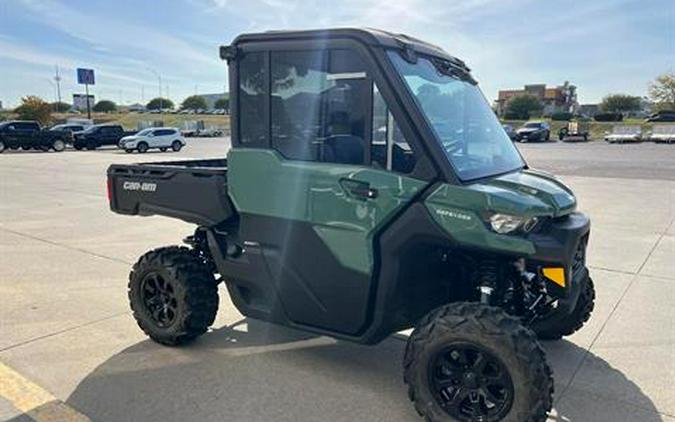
x,y
159,299
471,383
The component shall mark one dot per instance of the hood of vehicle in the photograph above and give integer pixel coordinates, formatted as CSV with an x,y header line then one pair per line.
x,y
528,192
129,138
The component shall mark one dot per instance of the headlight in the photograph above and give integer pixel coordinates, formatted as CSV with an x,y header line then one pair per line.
x,y
504,223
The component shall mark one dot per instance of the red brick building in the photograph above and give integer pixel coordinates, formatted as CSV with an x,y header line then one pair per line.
x,y
555,99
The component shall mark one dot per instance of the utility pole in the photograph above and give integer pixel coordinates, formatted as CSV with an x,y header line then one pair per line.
x,y
143,94
57,78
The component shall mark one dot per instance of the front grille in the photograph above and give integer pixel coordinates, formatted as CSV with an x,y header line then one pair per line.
x,y
579,258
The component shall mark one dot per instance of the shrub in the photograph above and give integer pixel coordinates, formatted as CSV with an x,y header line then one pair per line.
x,y
34,108
608,117
562,116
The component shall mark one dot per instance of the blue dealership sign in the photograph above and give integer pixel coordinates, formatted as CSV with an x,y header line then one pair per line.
x,y
85,76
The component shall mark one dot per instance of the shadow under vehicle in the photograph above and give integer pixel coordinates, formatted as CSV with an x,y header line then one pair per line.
x,y
370,189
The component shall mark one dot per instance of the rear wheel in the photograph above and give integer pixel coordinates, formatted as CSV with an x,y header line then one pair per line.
x,y
173,295
554,327
142,147
2,147
59,145
471,362
176,145
25,147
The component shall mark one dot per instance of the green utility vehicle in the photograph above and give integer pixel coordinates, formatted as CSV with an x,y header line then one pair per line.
x,y
371,189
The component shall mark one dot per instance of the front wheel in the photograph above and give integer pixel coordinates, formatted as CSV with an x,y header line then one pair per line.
x,y
162,149
554,327
142,147
59,145
2,147
173,295
469,362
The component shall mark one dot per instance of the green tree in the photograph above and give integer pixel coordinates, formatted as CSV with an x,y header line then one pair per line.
x,y
194,102
523,106
105,106
223,103
34,108
620,103
159,103
662,91
60,107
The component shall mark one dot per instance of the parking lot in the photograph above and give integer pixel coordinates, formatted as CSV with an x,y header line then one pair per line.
x,y
70,350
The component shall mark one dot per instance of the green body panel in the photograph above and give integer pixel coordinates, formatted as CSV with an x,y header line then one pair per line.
x,y
462,210
262,182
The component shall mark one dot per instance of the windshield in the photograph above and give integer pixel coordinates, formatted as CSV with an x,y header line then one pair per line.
x,y
532,125
466,127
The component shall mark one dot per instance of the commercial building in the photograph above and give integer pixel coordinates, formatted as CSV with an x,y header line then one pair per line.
x,y
562,98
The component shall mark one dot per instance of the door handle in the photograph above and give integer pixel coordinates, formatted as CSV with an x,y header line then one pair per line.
x,y
359,189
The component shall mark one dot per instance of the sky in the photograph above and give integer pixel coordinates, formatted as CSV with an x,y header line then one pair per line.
x,y
602,46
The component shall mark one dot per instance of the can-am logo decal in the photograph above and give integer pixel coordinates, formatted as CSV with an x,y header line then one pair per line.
x,y
453,214
145,187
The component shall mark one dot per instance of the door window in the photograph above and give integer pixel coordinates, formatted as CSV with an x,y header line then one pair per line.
x,y
319,106
389,149
252,98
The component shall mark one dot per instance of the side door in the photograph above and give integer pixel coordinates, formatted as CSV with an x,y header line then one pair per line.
x,y
28,133
161,138
311,192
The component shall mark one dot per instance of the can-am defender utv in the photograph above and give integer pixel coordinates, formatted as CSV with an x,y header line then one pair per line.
x,y
370,189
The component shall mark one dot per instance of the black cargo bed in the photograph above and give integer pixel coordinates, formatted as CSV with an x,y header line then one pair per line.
x,y
194,190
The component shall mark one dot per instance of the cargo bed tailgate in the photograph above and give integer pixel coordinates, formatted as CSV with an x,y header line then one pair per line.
x,y
194,191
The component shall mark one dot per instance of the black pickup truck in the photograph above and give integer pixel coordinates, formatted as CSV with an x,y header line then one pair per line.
x,y
100,135
27,134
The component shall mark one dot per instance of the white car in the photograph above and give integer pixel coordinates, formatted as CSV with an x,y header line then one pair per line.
x,y
156,137
624,133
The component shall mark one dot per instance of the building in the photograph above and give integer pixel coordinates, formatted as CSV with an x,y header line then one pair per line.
x,y
80,102
562,98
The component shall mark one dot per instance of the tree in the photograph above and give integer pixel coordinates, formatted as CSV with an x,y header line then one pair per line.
x,y
34,108
223,103
60,107
194,102
159,103
662,91
105,106
523,106
620,103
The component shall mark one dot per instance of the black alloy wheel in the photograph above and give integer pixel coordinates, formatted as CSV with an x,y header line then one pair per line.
x,y
470,383
159,299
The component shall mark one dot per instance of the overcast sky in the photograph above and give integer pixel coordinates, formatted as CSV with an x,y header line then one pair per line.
x,y
602,46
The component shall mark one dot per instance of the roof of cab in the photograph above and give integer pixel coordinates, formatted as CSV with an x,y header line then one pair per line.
x,y
369,36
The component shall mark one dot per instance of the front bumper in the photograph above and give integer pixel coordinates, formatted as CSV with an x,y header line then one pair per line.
x,y
561,244
530,136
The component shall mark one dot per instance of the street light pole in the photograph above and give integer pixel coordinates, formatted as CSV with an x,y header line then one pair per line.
x,y
159,79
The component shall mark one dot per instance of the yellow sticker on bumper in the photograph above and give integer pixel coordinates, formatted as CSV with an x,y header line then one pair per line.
x,y
556,275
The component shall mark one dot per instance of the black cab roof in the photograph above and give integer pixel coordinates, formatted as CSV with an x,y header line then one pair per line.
x,y
368,36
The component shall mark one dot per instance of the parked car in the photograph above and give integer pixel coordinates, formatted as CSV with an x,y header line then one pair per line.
x,y
575,131
28,134
662,134
100,135
158,137
662,116
209,132
534,131
510,131
624,133
72,128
